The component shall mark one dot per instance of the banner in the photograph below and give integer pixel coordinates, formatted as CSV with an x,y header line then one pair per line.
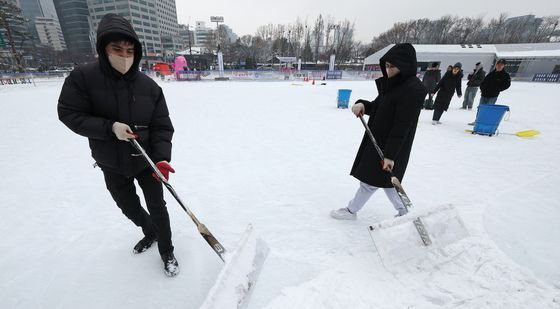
x,y
547,78
188,75
334,74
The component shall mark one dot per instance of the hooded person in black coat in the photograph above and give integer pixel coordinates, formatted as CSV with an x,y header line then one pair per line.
x,y
393,119
445,89
110,102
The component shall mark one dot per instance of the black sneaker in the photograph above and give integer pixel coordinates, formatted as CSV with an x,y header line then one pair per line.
x,y
144,244
170,265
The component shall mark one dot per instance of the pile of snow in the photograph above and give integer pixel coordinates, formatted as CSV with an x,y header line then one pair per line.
x,y
278,156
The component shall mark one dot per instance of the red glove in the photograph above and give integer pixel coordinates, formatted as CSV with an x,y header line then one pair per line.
x,y
164,168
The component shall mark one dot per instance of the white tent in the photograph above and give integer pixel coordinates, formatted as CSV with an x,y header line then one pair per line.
x,y
522,58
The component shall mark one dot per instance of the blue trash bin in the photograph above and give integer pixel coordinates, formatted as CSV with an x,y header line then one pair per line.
x,y
488,118
343,98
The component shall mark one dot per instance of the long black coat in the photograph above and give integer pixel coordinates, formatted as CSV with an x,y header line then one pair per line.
x,y
430,79
446,89
393,119
494,83
95,96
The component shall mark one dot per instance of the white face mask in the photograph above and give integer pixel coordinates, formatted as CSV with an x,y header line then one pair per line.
x,y
121,64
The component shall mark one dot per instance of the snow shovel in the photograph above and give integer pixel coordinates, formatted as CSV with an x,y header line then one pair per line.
x,y
526,133
397,242
242,265
396,236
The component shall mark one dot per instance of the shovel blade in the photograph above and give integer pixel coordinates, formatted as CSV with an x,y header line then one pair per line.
x,y
399,240
238,277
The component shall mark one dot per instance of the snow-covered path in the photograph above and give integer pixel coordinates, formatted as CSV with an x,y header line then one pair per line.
x,y
278,155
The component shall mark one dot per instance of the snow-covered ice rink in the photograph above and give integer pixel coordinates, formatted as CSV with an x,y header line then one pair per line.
x,y
278,155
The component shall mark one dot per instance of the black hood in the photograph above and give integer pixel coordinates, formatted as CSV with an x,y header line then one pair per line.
x,y
403,56
111,27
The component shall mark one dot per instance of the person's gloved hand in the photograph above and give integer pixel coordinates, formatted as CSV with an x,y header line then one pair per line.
x,y
358,109
387,164
164,168
123,131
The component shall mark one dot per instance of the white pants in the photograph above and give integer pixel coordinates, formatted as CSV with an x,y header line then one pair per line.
x,y
366,191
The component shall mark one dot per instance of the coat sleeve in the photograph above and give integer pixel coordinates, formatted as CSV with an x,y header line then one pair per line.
x,y
484,82
370,106
479,77
161,130
438,85
406,116
75,110
458,87
507,82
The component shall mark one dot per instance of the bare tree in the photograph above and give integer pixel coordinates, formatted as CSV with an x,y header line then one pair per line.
x,y
345,43
266,32
318,33
546,29
496,28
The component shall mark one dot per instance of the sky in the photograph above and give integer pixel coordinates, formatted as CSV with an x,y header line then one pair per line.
x,y
371,17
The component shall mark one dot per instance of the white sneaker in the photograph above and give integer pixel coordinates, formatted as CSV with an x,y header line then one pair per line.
x,y
438,122
434,122
402,212
343,214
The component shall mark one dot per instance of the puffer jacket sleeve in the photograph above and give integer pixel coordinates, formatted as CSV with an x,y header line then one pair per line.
x,y
486,81
75,111
479,77
506,83
161,130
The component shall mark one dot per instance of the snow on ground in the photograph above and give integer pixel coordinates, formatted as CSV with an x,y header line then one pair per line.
x,y
277,155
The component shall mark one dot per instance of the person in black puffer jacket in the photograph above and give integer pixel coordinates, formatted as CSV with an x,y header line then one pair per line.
x,y
495,82
110,102
393,117
474,81
445,89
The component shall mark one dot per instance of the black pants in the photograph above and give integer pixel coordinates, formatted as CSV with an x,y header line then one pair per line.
x,y
156,223
437,114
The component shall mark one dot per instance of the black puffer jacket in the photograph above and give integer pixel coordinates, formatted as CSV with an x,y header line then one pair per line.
x,y
494,83
476,78
393,118
446,88
95,96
